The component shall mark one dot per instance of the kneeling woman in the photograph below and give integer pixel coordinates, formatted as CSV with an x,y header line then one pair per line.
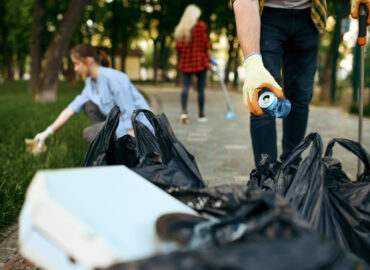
x,y
104,88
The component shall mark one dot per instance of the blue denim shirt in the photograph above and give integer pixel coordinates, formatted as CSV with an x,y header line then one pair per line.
x,y
113,88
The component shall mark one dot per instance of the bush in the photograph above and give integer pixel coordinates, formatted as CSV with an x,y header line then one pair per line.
x,y
354,109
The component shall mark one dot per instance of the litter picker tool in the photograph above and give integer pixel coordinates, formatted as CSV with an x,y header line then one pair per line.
x,y
229,115
362,16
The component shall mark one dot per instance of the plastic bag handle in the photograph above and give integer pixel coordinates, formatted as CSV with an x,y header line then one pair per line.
x,y
316,149
160,137
148,114
351,146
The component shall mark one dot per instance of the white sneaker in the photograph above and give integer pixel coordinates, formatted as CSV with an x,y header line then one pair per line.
x,y
202,119
184,118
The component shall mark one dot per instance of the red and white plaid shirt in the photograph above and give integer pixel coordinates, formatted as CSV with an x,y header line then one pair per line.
x,y
193,55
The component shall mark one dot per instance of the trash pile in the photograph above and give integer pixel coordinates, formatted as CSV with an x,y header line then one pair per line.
x,y
310,216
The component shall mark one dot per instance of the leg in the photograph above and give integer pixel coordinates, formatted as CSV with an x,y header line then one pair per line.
x,y
202,76
263,129
299,67
93,112
90,132
185,90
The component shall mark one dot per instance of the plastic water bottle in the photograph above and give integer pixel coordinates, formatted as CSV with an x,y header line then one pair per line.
x,y
270,104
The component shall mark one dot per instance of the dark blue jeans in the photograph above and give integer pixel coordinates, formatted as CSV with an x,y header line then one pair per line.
x,y
289,46
201,76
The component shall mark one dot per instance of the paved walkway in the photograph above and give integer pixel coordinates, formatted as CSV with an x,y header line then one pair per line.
x,y
222,148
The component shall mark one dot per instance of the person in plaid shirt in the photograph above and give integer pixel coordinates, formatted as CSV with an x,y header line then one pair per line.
x,y
193,45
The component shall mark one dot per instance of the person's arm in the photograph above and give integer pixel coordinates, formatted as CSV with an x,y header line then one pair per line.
x,y
74,107
248,25
62,118
257,76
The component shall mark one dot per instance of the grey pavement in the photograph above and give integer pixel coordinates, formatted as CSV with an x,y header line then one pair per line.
x,y
222,148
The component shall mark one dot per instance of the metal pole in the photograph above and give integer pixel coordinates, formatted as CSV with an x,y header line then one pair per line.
x,y
361,103
362,42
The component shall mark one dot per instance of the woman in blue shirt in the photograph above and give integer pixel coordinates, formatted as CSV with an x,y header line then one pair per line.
x,y
104,88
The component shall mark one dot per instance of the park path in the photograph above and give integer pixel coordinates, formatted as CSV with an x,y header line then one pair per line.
x,y
222,148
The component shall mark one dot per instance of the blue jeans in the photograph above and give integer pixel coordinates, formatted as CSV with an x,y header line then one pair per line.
x,y
289,44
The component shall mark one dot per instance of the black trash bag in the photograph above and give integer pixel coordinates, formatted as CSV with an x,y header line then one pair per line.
x,y
97,153
350,200
105,150
123,152
264,175
216,201
306,253
163,160
323,194
271,237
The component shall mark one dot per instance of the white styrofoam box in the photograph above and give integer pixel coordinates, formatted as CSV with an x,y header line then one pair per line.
x,y
97,216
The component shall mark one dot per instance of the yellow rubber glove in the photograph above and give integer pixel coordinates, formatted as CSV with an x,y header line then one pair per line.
x,y
256,78
354,9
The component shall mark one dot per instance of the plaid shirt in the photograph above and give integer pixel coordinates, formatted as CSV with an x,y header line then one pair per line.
x,y
318,13
193,55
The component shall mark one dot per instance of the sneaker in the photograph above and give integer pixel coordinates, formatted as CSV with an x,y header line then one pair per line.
x,y
184,118
202,119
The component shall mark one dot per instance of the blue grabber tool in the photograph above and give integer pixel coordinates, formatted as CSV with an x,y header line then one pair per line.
x,y
229,115
362,15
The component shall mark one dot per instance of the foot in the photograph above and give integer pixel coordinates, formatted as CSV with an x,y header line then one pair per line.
x,y
202,119
184,118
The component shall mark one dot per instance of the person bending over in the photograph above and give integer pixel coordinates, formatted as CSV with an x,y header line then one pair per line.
x,y
104,88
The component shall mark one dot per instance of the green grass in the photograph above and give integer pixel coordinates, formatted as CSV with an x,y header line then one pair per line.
x,y
20,118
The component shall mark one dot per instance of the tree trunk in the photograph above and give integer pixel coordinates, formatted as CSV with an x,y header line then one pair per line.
x,y
57,49
9,62
21,58
71,74
7,52
163,58
229,61
236,65
124,54
37,30
329,79
326,77
155,60
114,31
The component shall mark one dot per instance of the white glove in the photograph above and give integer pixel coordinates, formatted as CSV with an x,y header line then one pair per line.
x,y
42,136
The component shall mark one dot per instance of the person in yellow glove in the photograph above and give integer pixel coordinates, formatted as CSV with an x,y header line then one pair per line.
x,y
354,9
284,39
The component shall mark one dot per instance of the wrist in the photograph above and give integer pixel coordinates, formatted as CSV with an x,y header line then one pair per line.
x,y
250,55
50,131
253,61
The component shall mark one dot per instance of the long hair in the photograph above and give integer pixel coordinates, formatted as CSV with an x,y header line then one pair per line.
x,y
188,20
85,49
